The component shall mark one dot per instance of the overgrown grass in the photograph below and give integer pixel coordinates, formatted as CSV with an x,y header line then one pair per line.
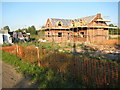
x,y
44,77
55,47
5,44
48,45
63,70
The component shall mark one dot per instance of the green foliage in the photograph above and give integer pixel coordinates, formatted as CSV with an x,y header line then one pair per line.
x,y
48,45
44,77
111,25
69,44
6,28
80,44
114,38
21,30
31,30
5,44
63,70
21,66
41,34
114,31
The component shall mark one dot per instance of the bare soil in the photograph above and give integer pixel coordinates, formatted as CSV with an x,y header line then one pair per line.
x,y
13,79
111,42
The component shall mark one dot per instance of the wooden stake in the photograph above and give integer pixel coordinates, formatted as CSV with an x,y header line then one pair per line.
x,y
38,56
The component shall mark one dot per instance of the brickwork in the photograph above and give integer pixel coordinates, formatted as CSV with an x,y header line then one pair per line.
x,y
92,32
97,35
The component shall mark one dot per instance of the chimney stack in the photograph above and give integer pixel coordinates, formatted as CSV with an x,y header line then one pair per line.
x,y
99,15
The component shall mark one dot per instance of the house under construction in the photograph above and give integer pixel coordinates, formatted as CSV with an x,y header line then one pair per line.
x,y
91,29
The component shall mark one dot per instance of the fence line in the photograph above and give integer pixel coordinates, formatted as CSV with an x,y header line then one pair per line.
x,y
91,72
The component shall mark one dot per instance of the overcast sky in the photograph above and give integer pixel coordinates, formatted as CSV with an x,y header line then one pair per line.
x,y
23,14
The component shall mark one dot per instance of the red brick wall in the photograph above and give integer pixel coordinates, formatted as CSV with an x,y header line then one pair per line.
x,y
54,35
97,35
48,22
90,35
93,23
73,36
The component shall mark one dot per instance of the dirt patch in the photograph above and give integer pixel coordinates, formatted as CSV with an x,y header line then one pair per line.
x,y
111,42
109,51
12,79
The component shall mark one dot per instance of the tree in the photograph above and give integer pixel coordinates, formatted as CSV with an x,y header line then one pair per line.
x,y
31,30
43,27
111,25
6,28
19,30
114,31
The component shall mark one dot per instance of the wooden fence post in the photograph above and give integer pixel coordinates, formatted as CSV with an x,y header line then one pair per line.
x,y
38,56
17,49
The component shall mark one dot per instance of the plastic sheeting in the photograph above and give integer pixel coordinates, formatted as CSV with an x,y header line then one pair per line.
x,y
5,38
1,39
17,35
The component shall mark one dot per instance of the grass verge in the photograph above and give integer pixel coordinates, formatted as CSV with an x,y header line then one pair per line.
x,y
44,77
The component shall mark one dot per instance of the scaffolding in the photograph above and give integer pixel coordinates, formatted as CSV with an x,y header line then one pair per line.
x,y
90,35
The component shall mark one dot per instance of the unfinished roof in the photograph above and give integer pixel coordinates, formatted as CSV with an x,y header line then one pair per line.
x,y
87,19
66,22
103,20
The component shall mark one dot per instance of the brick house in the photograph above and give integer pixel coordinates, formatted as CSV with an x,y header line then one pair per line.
x,y
92,29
